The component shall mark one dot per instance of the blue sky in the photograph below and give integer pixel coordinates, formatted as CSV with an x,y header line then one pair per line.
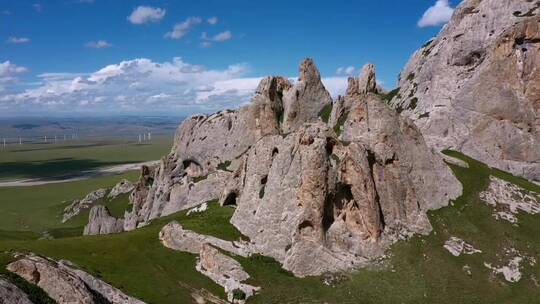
x,y
111,56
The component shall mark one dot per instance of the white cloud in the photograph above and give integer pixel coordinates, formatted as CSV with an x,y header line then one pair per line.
x,y
181,29
18,40
212,20
438,14
100,44
141,86
9,73
207,40
146,14
348,71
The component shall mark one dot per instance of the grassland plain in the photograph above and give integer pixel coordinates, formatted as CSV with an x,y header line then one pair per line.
x,y
416,271
68,158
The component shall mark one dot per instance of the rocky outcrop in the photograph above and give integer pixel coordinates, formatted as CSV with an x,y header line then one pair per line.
x,y
207,148
226,272
304,101
476,87
340,200
304,190
100,221
11,294
174,236
87,202
66,284
123,187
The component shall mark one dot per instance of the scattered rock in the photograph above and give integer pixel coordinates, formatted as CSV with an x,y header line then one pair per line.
x,y
11,294
457,246
226,272
78,205
201,208
175,237
467,270
509,199
123,187
512,270
100,221
66,284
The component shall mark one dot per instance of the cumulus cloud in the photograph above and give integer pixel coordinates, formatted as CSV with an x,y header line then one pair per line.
x,y
100,44
212,20
181,29
18,40
146,14
207,40
9,73
142,86
349,71
438,14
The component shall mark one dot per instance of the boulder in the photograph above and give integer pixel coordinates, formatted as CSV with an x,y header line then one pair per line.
x,y
475,88
66,284
11,294
226,272
100,221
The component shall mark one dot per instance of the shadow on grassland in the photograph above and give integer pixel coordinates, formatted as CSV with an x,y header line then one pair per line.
x,y
54,169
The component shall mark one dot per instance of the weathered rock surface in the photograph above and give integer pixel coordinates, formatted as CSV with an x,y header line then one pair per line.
x,y
304,190
66,284
87,202
476,87
100,221
457,247
508,200
11,294
175,237
225,271
211,145
341,201
123,187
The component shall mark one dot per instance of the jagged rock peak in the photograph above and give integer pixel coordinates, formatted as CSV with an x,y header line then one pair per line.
x,y
273,86
309,71
365,83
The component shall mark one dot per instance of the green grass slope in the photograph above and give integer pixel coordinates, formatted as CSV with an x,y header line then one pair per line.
x,y
416,271
65,159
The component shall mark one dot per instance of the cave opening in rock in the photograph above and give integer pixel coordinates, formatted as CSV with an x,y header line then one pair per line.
x,y
335,202
230,200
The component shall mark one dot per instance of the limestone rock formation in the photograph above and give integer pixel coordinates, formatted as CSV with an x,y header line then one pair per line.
x,y
11,294
338,193
207,148
174,236
100,221
476,87
78,205
123,187
66,284
226,272
311,195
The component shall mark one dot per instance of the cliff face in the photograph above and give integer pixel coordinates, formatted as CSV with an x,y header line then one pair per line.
x,y
338,192
476,87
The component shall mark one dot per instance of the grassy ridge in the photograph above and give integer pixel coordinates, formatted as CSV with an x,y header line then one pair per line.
x,y
417,271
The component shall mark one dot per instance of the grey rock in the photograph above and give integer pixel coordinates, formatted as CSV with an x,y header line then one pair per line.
x,y
306,99
87,202
123,187
175,237
225,271
11,294
66,284
475,87
100,221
